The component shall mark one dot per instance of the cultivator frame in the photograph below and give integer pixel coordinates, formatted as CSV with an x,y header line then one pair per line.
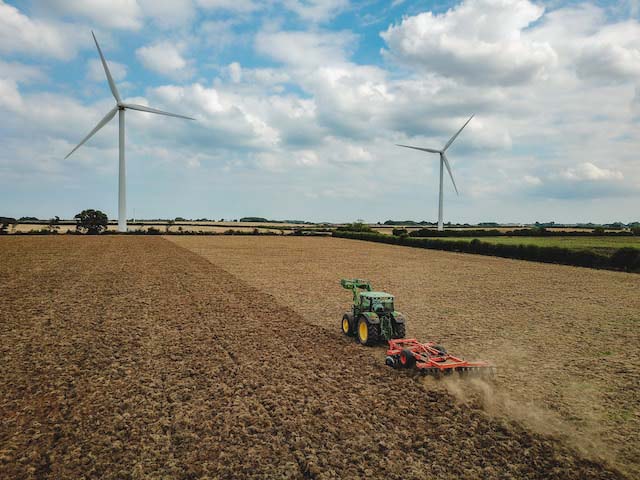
x,y
431,359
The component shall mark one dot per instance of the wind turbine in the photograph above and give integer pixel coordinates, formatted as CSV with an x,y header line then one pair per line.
x,y
445,162
120,108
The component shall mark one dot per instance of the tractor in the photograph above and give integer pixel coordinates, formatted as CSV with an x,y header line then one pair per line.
x,y
372,318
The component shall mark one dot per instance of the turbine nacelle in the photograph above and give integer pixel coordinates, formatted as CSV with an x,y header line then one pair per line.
x,y
443,161
443,156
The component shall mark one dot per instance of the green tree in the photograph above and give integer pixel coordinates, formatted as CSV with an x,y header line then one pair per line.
x,y
4,224
91,221
54,224
357,226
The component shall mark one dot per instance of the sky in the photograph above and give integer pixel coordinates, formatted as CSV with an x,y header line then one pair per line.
x,y
299,105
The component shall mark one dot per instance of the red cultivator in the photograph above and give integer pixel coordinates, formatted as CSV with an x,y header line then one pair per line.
x,y
430,358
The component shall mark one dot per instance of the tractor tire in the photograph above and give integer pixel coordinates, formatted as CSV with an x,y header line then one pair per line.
x,y
400,330
368,333
346,326
406,359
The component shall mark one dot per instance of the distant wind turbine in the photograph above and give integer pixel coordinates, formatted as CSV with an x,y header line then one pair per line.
x,y
120,108
443,161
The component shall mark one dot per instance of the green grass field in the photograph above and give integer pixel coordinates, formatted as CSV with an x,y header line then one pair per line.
x,y
603,245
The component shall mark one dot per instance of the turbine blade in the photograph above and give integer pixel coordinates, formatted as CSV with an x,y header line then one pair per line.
x,y
142,108
101,124
430,150
112,84
446,164
456,135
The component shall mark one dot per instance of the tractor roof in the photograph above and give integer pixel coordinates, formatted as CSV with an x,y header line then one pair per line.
x,y
376,295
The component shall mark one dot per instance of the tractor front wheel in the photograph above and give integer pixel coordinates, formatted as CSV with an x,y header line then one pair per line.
x,y
346,326
368,333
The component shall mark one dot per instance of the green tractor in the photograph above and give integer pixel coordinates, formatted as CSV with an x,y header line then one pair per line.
x,y
372,318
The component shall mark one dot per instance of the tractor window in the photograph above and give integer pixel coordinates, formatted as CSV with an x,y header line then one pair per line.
x,y
383,304
366,303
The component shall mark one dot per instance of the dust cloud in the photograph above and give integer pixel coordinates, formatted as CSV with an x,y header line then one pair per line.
x,y
485,394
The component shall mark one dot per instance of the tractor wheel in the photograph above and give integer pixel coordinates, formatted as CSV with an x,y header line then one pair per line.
x,y
400,330
346,326
368,333
407,359
441,349
391,361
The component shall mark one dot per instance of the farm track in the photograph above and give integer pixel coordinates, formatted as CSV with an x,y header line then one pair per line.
x,y
130,357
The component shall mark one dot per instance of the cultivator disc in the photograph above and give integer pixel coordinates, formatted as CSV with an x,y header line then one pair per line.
x,y
432,359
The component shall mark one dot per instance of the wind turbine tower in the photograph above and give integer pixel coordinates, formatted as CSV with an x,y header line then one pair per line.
x,y
120,109
444,162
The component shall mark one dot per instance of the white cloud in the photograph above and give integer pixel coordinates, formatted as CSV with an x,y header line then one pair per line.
x,y
224,119
131,14
348,153
266,76
589,171
9,95
353,101
196,98
306,158
531,180
165,58
20,72
303,48
609,62
591,46
242,6
123,14
218,34
481,41
235,72
611,54
316,10
21,34
168,13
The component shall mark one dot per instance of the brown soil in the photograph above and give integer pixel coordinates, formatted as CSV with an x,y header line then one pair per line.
x,y
566,339
130,357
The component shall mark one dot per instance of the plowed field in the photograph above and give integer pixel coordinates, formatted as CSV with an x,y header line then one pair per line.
x,y
566,339
130,357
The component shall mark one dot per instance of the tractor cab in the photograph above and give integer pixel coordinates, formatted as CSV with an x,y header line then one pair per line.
x,y
377,302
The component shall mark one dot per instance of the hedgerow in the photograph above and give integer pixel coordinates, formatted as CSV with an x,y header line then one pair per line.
x,y
627,258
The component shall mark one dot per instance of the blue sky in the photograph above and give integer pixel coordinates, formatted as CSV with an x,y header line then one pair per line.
x,y
299,104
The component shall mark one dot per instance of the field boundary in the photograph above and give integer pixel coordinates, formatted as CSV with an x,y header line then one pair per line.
x,y
625,259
